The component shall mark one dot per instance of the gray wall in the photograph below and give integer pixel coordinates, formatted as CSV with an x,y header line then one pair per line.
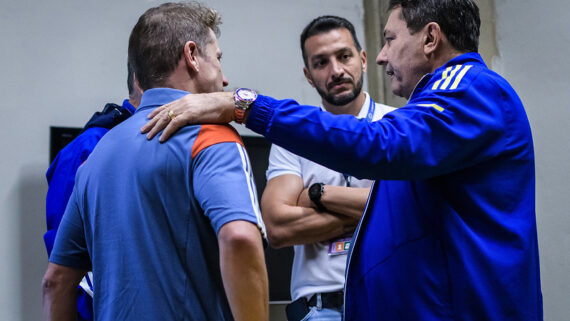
x,y
534,45
61,60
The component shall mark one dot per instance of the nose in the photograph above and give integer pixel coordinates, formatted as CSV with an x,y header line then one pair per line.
x,y
225,81
382,58
337,68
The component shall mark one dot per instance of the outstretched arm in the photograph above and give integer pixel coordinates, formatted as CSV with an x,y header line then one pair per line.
x,y
288,223
59,287
242,263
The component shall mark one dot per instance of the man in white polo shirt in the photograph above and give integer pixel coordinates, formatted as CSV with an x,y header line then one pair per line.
x,y
308,205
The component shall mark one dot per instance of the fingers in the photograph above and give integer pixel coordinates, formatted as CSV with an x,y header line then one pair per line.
x,y
157,124
154,119
171,128
148,126
157,111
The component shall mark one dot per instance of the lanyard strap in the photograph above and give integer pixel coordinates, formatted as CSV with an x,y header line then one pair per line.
x,y
371,110
369,118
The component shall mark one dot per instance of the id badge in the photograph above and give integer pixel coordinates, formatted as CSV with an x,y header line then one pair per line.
x,y
339,246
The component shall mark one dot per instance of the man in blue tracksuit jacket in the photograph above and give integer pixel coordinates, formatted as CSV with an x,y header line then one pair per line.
x,y
449,231
61,177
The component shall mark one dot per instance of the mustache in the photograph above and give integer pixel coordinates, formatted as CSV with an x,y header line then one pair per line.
x,y
339,81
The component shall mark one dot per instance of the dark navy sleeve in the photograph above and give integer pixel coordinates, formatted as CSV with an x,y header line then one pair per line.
x,y
436,133
70,248
223,184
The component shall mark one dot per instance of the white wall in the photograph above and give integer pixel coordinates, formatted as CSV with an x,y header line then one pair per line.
x,y
534,45
61,60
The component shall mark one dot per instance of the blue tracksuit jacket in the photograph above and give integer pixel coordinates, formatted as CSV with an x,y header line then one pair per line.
x,y
449,231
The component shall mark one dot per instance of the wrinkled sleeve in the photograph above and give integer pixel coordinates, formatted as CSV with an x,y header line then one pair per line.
x,y
70,248
433,135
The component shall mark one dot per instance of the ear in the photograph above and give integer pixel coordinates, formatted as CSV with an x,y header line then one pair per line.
x,y
191,56
433,37
308,76
363,60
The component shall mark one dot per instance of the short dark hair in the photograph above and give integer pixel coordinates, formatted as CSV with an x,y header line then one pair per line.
x,y
458,19
325,24
157,40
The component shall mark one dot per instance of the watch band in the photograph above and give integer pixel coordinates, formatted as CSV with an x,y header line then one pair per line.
x,y
316,191
243,98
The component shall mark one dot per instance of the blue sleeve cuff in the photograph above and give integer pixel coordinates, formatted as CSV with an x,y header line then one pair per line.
x,y
261,114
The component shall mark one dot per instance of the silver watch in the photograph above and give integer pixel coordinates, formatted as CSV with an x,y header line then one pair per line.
x,y
243,98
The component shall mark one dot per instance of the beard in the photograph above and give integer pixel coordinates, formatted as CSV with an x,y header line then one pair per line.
x,y
341,100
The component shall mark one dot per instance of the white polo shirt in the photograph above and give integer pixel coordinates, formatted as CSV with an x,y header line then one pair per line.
x,y
314,270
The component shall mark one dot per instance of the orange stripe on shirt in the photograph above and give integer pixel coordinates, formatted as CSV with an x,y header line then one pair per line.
x,y
214,134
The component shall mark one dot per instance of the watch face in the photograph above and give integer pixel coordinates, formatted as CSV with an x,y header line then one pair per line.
x,y
315,191
246,94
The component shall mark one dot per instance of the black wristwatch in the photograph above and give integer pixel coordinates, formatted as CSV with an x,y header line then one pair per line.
x,y
316,191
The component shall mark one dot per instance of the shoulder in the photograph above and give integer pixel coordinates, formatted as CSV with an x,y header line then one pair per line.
x,y
454,79
282,161
209,135
85,142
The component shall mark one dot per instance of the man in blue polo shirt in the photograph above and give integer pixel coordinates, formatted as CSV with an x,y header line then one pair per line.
x,y
449,231
171,231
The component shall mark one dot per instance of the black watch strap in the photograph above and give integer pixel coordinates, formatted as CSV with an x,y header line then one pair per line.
x,y
316,191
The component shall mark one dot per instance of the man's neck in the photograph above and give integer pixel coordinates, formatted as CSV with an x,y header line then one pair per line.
x,y
352,108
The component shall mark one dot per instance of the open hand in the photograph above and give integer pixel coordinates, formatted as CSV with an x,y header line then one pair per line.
x,y
212,108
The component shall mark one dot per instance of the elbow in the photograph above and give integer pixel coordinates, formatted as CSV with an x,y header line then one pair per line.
x,y
50,284
59,280
240,234
277,237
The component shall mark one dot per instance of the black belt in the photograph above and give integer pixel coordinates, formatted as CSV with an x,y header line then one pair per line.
x,y
331,300
299,308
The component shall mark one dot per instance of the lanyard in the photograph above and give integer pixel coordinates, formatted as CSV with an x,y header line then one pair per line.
x,y
369,117
371,110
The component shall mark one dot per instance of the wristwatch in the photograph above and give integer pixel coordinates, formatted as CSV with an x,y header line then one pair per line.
x,y
316,191
243,98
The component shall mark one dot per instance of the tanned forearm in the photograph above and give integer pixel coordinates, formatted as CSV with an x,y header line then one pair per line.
x,y
242,264
288,223
59,289
303,225
349,201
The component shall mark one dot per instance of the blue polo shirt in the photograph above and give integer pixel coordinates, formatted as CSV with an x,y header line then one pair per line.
x,y
144,216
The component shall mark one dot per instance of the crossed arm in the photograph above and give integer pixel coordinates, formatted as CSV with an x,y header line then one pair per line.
x,y
291,218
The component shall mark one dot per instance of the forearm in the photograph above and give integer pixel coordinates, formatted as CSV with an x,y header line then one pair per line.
x,y
242,264
349,201
59,305
293,225
59,293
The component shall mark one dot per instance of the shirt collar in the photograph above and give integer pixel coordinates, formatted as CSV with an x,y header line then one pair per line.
x,y
160,96
470,57
364,109
128,106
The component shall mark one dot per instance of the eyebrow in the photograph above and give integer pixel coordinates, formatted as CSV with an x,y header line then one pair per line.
x,y
319,56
